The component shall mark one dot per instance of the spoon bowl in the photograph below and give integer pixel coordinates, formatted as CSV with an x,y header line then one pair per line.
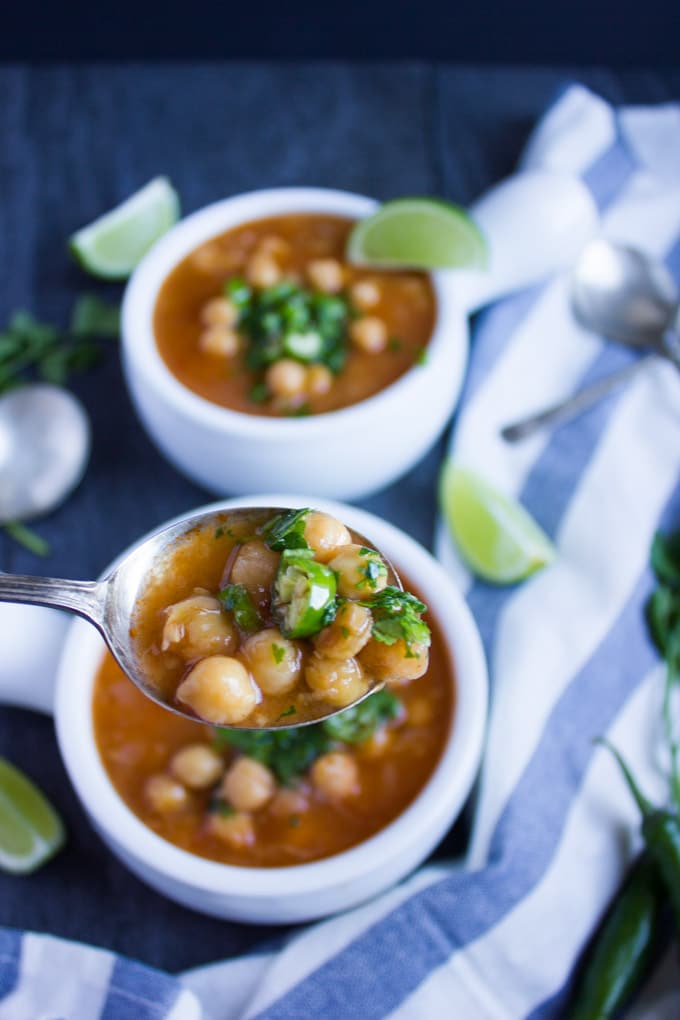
x,y
44,447
625,296
110,604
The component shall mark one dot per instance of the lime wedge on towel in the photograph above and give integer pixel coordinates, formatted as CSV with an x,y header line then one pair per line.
x,y
30,829
496,536
419,233
112,246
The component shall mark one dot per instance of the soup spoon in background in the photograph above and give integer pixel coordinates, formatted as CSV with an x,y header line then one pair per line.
x,y
109,604
625,296
44,447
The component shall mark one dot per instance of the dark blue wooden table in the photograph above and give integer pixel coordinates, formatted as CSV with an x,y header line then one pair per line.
x,y
76,140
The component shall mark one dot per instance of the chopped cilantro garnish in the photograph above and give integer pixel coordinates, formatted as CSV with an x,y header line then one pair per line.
x,y
236,600
288,320
291,710
372,568
397,617
259,393
358,724
286,531
289,753
421,356
217,806
394,344
278,653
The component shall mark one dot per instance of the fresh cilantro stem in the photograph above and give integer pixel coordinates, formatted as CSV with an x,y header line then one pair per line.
x,y
27,538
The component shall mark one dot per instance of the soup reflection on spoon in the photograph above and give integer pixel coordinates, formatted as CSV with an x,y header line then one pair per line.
x,y
257,618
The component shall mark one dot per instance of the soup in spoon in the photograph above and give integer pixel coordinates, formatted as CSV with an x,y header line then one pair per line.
x,y
274,619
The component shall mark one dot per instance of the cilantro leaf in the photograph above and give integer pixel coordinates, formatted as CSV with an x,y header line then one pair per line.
x,y
358,724
236,600
397,617
286,531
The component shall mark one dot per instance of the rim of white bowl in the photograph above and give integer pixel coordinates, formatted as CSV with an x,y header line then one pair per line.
x,y
460,758
141,353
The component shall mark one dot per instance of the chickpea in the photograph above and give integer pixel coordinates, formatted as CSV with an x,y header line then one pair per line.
x,y
365,294
220,690
238,829
219,311
336,775
369,334
319,380
248,785
262,270
361,572
165,794
197,766
325,535
395,663
347,634
220,341
197,627
326,275
274,246
274,661
287,802
340,681
255,567
286,378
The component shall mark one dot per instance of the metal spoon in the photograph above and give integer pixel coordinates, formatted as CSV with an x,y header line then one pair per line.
x,y
625,296
110,604
44,447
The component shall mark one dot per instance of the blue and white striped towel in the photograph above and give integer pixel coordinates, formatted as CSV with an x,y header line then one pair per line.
x,y
569,656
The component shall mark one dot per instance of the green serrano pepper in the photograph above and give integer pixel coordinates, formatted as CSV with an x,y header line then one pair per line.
x,y
661,833
304,594
620,952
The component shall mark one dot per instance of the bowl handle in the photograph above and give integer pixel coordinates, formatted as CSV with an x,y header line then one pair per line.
x,y
31,639
535,222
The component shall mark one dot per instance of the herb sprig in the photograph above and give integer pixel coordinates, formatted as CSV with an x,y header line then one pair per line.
x,y
663,618
32,349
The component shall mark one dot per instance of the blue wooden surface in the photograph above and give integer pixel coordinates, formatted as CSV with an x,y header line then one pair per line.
x,y
73,141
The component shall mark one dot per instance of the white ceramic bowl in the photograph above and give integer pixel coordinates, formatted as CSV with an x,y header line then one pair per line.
x,y
300,892
345,453
534,223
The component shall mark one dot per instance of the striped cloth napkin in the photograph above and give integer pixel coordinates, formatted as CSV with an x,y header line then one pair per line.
x,y
554,829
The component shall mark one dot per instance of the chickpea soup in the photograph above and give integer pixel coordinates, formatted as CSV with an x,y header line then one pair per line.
x,y
269,319
269,618
276,798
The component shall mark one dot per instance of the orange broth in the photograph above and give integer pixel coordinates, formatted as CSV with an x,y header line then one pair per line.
x,y
136,739
406,306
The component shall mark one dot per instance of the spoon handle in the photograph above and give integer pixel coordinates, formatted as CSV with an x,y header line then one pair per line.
x,y
572,406
86,598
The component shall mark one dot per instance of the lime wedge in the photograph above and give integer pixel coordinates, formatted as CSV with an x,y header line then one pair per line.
x,y
30,829
499,540
112,246
419,233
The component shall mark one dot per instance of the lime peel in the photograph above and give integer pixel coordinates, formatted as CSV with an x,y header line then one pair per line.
x,y
496,536
115,243
31,831
418,233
